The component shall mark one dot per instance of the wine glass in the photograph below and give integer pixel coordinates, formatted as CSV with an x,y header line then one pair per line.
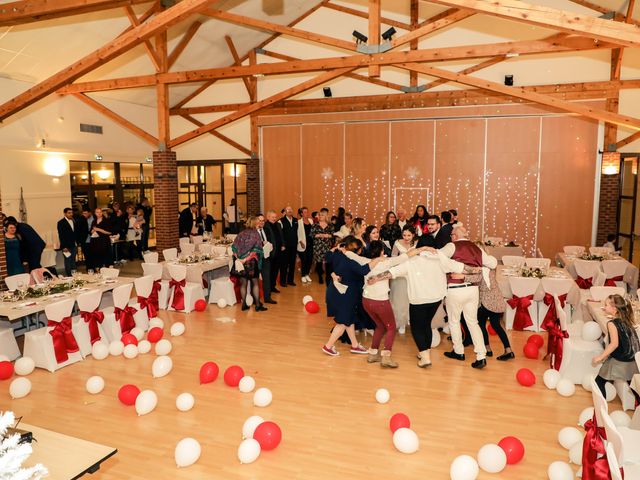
x,y
90,272
22,288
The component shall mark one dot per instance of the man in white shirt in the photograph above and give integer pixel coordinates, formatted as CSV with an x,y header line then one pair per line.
x,y
402,217
464,297
231,216
346,228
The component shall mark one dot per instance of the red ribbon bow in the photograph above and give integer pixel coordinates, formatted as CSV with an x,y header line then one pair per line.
x,y
584,283
64,342
146,302
178,293
153,296
93,319
611,282
521,305
594,468
551,324
125,317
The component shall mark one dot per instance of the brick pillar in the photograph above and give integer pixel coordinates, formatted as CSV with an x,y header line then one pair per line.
x,y
253,185
165,190
608,206
3,256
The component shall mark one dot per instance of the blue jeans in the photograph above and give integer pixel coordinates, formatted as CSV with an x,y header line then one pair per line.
x,y
70,261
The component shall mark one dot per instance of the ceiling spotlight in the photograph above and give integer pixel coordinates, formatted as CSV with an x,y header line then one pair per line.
x,y
360,38
508,80
98,157
388,35
327,92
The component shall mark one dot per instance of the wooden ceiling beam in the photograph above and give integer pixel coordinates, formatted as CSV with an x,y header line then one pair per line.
x,y
597,28
414,11
591,5
255,107
236,59
227,107
28,11
361,14
375,11
133,19
123,43
184,41
219,135
431,26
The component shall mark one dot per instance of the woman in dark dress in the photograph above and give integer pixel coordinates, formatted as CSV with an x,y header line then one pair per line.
x,y
322,233
12,250
391,230
100,245
247,250
372,234
345,305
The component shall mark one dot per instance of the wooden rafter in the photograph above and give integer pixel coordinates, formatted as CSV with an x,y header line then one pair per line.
x,y
219,135
123,122
535,97
184,41
194,94
227,107
123,43
414,14
133,19
361,14
597,28
27,11
254,107
591,5
375,10
162,94
236,60
355,61
431,26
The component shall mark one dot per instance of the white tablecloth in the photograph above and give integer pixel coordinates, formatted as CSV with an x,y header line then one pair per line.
x,y
499,252
630,274
573,297
210,268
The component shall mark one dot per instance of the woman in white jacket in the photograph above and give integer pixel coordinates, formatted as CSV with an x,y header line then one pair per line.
x,y
305,243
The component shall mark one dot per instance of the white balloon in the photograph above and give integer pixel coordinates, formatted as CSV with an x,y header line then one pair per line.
x,y
100,350
20,387
146,402
566,387
382,395
611,392
95,384
249,300
576,327
406,440
222,303
569,436
130,351
161,366
586,381
306,299
24,366
247,384
575,454
137,332
491,458
185,402
144,346
585,416
551,378
591,331
560,471
177,329
116,348
262,397
187,452
464,467
163,347
156,322
435,338
250,425
620,418
248,451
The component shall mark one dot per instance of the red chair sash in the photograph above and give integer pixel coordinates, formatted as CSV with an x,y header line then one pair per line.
x,y
611,282
93,319
594,468
125,317
145,302
551,324
521,305
153,297
64,342
584,283
178,293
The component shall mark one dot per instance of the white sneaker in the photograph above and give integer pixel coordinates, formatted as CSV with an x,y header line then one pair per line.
x,y
401,330
304,279
308,279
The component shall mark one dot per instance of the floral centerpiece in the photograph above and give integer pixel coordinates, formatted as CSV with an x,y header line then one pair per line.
x,y
512,243
589,256
532,272
53,288
195,258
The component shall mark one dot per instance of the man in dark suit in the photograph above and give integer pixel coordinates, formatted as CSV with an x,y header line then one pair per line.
x,y
274,229
205,222
32,244
447,223
187,224
434,236
290,233
267,236
83,235
68,240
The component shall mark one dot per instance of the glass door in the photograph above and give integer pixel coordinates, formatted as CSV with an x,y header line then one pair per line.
x,y
627,210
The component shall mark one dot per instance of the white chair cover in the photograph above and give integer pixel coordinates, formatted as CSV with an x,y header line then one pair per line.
x,y
196,239
615,269
87,302
192,291
183,240
110,273
513,260
151,257
111,324
523,287
600,293
577,354
222,288
144,286
13,280
538,262
555,287
600,250
219,251
8,344
626,442
187,248
573,249
155,270
205,248
170,254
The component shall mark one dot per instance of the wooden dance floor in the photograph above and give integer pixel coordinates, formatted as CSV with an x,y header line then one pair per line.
x,y
332,426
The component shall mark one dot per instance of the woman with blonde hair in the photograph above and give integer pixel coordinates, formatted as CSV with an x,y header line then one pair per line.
x,y
358,226
247,262
619,356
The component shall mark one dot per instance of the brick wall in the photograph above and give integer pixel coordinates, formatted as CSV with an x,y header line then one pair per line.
x,y
165,179
253,185
3,257
608,206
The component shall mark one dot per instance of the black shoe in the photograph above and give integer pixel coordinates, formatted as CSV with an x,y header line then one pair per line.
x,y
320,281
283,285
489,353
275,290
292,284
260,308
454,355
449,338
506,356
273,302
479,363
245,306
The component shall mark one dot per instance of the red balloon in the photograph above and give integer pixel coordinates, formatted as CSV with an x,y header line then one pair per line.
x,y
536,339
129,339
208,372
399,420
232,375
201,305
128,394
531,351
312,307
268,435
513,448
526,377
6,370
155,334
491,330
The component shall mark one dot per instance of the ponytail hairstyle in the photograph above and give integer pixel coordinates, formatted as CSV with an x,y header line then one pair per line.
x,y
624,309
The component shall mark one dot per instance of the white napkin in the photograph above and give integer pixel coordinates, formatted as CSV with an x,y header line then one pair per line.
x,y
66,254
239,266
341,287
267,248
